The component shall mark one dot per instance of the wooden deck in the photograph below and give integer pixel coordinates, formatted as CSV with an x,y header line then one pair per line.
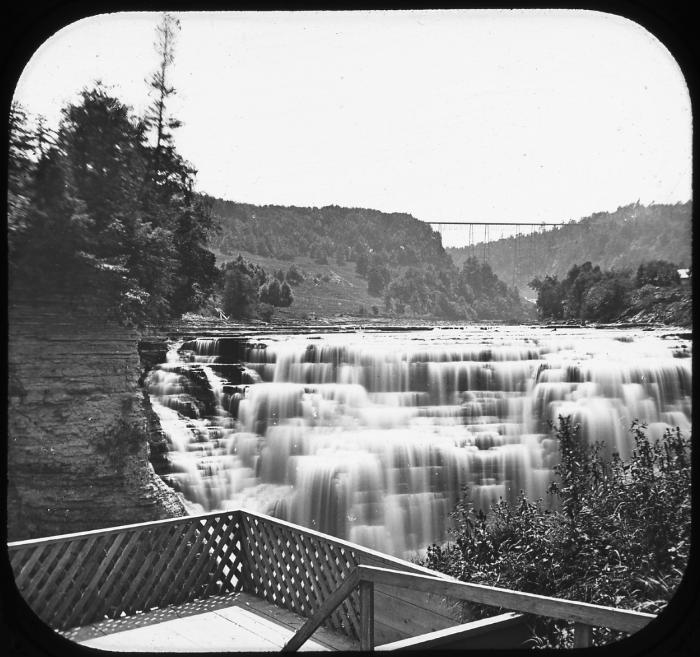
x,y
237,622
241,581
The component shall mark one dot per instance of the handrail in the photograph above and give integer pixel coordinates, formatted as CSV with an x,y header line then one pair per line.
x,y
74,579
326,609
583,614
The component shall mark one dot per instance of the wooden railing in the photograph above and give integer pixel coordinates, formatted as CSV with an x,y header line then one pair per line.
x,y
585,616
78,579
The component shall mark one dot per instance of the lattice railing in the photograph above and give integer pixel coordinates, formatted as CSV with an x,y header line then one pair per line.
x,y
298,569
78,579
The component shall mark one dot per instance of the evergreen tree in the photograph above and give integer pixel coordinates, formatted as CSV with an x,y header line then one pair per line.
x,y
157,118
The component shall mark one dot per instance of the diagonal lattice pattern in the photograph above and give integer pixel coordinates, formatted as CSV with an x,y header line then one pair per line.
x,y
298,570
79,579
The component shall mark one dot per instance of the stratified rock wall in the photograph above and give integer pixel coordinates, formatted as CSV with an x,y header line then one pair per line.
x,y
78,423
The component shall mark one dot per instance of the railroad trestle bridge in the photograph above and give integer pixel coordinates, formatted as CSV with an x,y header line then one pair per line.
x,y
476,237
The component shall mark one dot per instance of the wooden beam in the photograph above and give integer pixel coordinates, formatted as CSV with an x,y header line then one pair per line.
x,y
454,635
578,612
326,609
366,616
582,635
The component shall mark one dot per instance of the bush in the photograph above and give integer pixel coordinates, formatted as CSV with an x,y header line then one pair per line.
x,y
619,534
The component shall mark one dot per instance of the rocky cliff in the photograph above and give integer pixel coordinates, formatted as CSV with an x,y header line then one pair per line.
x,y
78,422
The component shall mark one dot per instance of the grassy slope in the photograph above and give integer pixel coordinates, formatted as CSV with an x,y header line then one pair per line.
x,y
341,295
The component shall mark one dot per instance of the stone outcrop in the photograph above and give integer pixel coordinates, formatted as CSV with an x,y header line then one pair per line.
x,y
78,423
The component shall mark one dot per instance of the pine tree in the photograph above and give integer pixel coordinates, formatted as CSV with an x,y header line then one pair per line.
x,y
157,117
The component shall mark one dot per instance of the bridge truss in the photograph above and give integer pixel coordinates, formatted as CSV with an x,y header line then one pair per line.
x,y
476,236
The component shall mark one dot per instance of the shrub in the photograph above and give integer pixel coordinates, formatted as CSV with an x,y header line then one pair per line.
x,y
619,533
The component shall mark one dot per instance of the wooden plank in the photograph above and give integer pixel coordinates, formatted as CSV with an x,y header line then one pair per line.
x,y
66,593
152,553
448,609
582,612
203,564
454,636
121,595
31,554
261,577
160,568
582,635
405,617
152,524
275,561
218,550
90,592
366,616
227,554
305,572
108,594
320,615
331,639
161,594
46,570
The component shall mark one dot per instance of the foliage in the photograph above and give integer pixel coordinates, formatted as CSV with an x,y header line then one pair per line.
x,y
97,206
294,275
616,240
242,281
657,272
619,533
590,294
275,293
401,258
550,301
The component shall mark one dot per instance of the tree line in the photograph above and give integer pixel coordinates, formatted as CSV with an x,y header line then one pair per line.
x,y
618,533
106,202
401,258
613,240
590,293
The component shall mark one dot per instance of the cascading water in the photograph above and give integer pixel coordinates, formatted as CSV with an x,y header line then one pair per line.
x,y
371,436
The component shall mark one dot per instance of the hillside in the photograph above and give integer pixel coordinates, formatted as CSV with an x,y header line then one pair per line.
x,y
327,291
355,262
328,233
613,240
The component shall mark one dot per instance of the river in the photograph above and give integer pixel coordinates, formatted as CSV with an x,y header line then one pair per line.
x,y
372,435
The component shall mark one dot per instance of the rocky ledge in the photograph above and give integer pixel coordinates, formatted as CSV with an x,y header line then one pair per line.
x,y
78,423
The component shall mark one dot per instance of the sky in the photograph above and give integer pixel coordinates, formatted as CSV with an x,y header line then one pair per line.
x,y
456,115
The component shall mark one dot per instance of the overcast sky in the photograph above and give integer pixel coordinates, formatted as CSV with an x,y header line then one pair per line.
x,y
465,115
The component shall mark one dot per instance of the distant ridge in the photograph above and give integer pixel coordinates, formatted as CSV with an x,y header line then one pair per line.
x,y
330,232
613,240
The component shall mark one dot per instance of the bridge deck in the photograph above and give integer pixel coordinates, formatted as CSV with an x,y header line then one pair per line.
x,y
235,622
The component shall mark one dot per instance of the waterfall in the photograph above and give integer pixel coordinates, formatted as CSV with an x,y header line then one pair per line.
x,y
372,436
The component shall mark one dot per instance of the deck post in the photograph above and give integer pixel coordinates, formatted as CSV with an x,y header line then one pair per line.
x,y
366,615
582,635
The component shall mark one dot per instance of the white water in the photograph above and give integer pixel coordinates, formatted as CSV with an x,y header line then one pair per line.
x,y
372,436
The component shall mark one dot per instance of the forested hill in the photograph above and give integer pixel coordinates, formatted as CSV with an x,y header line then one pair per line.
x,y
612,240
398,260
327,233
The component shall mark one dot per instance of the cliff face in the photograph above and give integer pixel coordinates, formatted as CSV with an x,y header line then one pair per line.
x,y
78,422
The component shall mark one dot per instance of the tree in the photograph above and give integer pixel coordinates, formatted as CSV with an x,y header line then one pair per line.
x,y
605,299
168,198
657,272
378,276
156,116
550,297
286,295
241,283
20,174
